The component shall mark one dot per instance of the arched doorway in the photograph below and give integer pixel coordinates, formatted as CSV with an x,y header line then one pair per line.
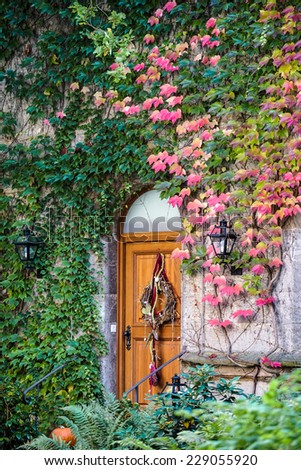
x,y
148,233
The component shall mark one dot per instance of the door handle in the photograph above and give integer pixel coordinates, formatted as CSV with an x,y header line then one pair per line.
x,y
127,335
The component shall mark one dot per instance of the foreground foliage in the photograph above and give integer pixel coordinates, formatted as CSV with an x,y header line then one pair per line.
x,y
192,420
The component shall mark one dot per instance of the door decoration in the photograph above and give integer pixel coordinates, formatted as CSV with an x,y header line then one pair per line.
x,y
157,291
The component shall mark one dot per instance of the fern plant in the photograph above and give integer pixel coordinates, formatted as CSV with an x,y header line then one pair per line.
x,y
94,425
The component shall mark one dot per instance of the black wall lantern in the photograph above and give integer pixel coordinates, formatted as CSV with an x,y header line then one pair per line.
x,y
223,239
27,246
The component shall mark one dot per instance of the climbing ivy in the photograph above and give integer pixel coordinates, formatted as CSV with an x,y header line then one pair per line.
x,y
67,171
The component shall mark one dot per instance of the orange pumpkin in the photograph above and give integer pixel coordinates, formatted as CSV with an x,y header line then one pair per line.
x,y
65,434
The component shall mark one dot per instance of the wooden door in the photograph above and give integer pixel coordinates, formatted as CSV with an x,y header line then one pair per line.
x,y
137,265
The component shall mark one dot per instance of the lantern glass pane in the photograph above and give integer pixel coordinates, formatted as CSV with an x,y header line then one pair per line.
x,y
22,252
223,246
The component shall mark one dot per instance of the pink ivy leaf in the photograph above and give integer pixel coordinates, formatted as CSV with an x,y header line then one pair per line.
x,y
207,263
258,269
275,262
159,166
194,205
60,114
167,90
159,13
149,38
216,322
173,100
169,6
175,115
155,116
130,110
275,364
180,254
214,60
175,201
139,67
118,105
213,44
171,159
185,192
242,313
153,20
177,170
193,180
213,200
219,280
216,31
211,23
209,250
111,94
215,268
46,122
212,299
265,300
74,86
152,158
253,252
205,40
142,79
219,207
266,360
207,278
206,135
226,323
231,290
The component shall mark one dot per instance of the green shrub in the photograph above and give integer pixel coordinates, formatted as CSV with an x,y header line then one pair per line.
x,y
271,422
119,424
207,415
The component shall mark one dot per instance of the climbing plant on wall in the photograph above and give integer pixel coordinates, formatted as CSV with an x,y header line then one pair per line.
x,y
223,111
66,171
228,98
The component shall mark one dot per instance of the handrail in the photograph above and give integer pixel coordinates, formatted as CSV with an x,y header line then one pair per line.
x,y
36,386
37,383
136,386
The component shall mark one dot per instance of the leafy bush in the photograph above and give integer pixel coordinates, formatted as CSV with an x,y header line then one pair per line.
x,y
271,423
200,389
119,424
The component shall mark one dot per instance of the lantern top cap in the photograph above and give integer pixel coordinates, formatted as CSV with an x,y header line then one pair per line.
x,y
28,238
26,231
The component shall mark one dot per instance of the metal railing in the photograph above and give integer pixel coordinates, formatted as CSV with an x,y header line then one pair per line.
x,y
136,386
36,385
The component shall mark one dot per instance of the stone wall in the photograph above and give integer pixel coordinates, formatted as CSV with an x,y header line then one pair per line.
x,y
237,353
288,295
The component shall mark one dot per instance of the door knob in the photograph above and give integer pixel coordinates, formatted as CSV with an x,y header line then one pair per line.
x,y
127,335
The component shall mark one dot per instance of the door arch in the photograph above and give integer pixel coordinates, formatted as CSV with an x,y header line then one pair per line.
x,y
151,226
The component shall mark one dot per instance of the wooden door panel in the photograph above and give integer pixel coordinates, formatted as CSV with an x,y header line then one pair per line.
x,y
139,262
166,350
